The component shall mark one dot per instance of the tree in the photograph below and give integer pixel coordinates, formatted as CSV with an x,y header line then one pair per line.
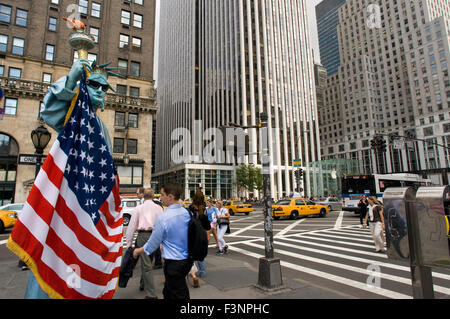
x,y
249,177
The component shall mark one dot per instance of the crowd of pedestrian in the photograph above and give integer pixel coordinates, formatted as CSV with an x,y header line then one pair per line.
x,y
164,233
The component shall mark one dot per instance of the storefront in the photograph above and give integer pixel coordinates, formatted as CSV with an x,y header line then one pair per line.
x,y
9,150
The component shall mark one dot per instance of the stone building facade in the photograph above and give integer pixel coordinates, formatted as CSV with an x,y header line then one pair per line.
x,y
34,52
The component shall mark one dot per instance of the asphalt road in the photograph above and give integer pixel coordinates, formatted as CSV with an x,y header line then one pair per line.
x,y
332,253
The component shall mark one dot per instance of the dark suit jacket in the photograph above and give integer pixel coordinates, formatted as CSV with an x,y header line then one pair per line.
x,y
126,268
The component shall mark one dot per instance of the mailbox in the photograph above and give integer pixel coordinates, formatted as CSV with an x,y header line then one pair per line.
x,y
433,205
397,201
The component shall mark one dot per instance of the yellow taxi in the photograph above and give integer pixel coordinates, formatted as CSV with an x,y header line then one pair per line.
x,y
8,218
237,206
187,203
296,207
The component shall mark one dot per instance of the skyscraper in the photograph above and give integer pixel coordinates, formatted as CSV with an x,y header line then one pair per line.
x,y
327,20
223,62
393,79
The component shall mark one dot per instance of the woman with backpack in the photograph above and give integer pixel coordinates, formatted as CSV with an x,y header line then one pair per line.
x,y
375,214
223,221
198,207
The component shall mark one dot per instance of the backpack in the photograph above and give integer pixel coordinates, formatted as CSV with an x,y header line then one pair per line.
x,y
197,238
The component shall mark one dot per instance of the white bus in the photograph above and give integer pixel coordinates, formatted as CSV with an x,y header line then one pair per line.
x,y
355,186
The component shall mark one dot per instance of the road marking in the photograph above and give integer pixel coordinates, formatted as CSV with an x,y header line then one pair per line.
x,y
285,230
339,221
362,252
338,279
2,242
245,229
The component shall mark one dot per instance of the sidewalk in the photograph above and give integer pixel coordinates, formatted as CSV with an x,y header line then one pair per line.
x,y
229,277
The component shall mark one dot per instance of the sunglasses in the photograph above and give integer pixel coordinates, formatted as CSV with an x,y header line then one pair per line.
x,y
96,85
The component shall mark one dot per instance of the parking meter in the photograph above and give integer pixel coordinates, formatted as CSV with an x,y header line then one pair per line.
x,y
396,202
433,205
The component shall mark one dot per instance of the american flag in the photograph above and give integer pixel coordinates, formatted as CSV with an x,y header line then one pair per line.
x,y
70,230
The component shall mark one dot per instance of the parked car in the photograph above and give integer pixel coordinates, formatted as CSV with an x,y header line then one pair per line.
x,y
333,203
296,207
237,206
8,219
128,206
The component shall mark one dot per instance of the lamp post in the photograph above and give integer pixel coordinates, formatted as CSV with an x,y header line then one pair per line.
x,y
40,138
269,275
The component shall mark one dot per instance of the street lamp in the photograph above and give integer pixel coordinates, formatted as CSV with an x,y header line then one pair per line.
x,y
40,138
269,276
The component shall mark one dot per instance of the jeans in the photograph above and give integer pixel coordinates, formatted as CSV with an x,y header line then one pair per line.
x,y
201,266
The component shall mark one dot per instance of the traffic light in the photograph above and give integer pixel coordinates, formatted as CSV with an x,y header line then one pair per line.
x,y
378,144
299,173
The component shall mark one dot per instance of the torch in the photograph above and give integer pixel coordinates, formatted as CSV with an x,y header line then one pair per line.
x,y
79,39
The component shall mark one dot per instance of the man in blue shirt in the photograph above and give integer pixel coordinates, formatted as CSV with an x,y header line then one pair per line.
x,y
171,232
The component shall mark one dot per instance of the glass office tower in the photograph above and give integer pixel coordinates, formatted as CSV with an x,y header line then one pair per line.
x,y
226,61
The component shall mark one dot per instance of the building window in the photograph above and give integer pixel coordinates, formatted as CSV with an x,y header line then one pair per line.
x,y
18,46
137,21
428,131
119,119
133,120
118,145
15,73
135,68
55,1
3,43
47,77
131,146
137,42
124,40
94,32
121,89
10,106
50,52
141,2
96,10
52,24
134,91
21,17
123,65
83,6
130,175
2,70
126,17
5,13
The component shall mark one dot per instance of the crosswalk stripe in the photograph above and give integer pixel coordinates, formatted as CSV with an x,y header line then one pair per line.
x,y
338,279
343,237
383,256
2,242
357,259
315,237
339,220
291,226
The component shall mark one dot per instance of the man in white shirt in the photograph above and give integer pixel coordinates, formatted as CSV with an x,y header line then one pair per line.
x,y
143,220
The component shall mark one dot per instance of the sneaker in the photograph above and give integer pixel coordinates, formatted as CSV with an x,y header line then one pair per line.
x,y
225,249
220,253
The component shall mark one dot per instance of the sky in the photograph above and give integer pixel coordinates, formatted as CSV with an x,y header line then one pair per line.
x,y
311,4
313,27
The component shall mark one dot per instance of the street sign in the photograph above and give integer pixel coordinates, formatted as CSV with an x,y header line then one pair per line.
x,y
30,159
297,163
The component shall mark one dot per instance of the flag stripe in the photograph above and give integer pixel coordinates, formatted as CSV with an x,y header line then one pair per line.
x,y
34,248
85,238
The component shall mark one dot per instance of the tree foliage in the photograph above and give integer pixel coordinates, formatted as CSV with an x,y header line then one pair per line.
x,y
249,177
